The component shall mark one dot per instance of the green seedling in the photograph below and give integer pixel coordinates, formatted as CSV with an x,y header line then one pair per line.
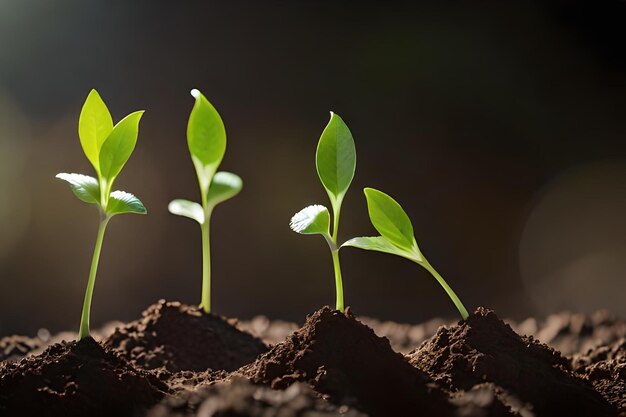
x,y
335,160
397,238
108,148
206,138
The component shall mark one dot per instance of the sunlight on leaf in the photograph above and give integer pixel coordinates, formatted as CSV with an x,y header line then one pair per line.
x,y
84,187
186,208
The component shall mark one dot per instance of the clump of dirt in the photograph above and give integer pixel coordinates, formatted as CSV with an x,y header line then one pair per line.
x,y
605,367
343,358
239,397
76,379
485,349
179,337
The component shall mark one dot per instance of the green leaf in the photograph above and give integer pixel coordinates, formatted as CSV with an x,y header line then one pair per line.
x,y
336,158
94,126
311,220
206,138
84,187
187,209
225,185
390,219
118,147
380,244
123,202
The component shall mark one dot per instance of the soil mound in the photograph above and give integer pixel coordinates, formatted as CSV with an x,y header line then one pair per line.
x,y
343,358
76,379
485,349
179,337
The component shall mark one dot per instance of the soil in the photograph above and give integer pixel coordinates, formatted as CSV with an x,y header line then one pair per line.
x,y
177,361
179,337
77,379
342,357
484,348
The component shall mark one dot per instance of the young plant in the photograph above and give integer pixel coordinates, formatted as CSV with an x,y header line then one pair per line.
x,y
397,238
335,160
108,148
206,138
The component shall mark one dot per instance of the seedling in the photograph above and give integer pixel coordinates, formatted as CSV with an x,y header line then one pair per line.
x,y
108,148
336,162
206,138
397,237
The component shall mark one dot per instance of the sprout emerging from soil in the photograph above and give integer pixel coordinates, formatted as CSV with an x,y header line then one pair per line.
x,y
108,148
397,237
206,138
336,162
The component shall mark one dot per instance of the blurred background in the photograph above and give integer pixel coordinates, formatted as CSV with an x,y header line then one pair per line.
x,y
499,126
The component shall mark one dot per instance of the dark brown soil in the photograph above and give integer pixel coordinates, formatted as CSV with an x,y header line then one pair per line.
x,y
343,358
76,379
484,349
179,337
605,367
241,398
334,365
17,346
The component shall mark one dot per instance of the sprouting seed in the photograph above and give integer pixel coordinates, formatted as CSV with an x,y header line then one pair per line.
x,y
108,148
336,162
206,139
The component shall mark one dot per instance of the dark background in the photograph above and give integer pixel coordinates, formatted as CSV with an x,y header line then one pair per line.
x,y
499,126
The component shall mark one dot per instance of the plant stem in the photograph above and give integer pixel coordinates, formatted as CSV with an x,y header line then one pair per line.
x,y
84,320
334,250
206,265
338,281
455,299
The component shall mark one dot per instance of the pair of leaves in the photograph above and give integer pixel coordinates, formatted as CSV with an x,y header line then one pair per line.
x,y
335,161
225,185
206,139
87,189
108,148
393,224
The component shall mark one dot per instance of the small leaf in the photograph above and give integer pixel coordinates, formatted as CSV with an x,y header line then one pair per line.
x,y
123,202
224,186
94,126
118,147
206,138
390,220
380,244
84,187
311,220
187,209
336,158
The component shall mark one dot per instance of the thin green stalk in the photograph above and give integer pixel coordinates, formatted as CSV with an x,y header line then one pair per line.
x,y
206,266
457,302
84,320
335,254
338,281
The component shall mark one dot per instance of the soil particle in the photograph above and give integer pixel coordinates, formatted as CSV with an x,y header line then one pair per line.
x,y
179,337
605,368
76,379
343,358
484,349
239,397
